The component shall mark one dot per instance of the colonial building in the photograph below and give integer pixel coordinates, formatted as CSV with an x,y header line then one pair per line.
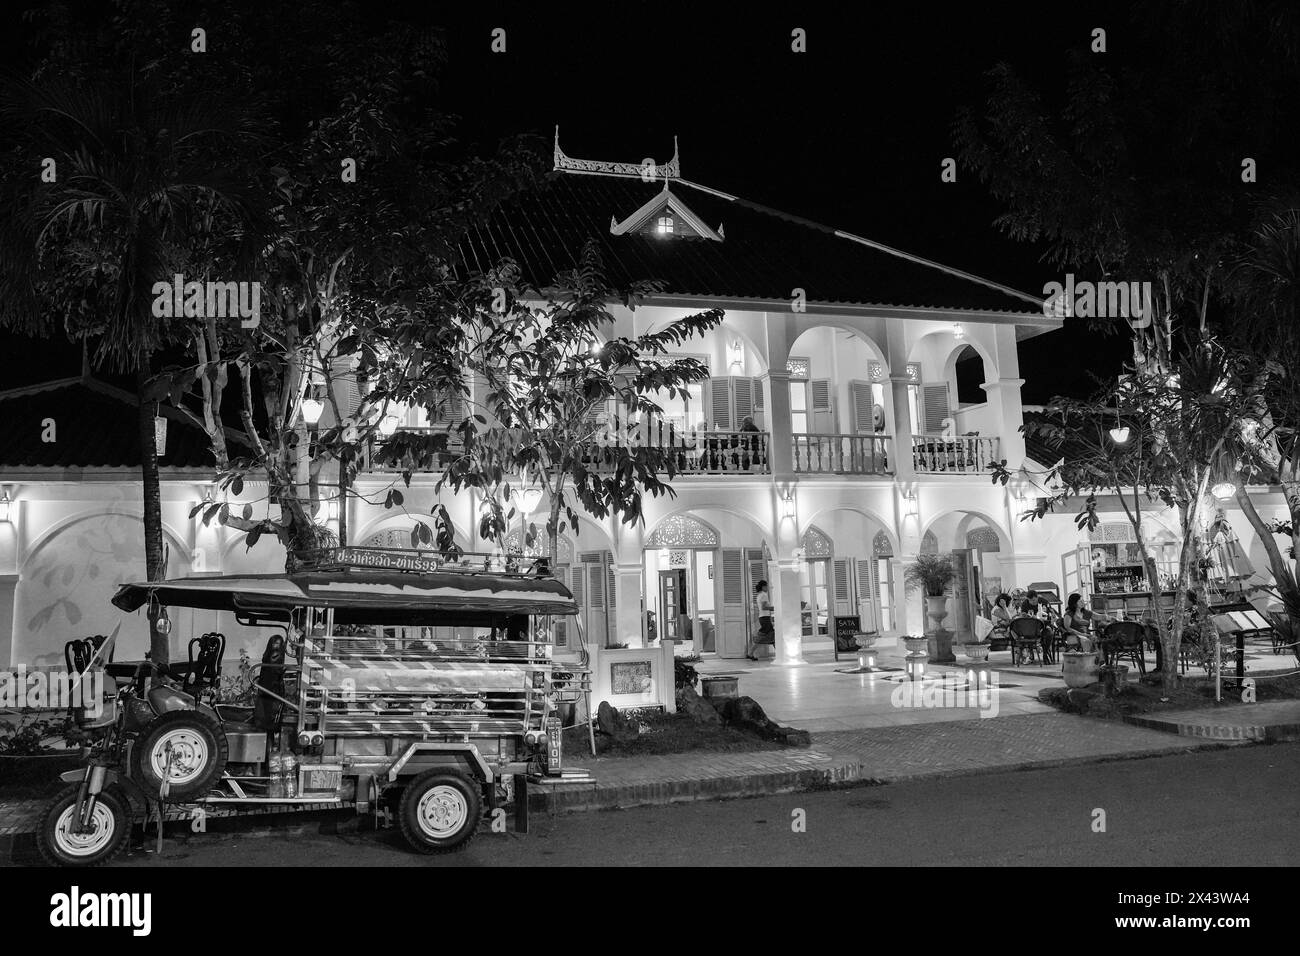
x,y
850,358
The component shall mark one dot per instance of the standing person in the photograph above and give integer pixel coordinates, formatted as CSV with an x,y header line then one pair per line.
x,y
763,611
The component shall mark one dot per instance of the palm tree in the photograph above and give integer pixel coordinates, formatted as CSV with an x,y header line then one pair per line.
x,y
133,171
1267,314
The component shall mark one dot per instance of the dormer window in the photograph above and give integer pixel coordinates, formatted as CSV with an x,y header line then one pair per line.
x,y
664,216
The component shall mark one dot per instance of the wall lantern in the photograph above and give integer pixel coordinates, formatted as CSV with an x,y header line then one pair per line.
x,y
312,408
909,504
958,332
529,499
6,508
737,354
1224,490
159,435
789,503
332,509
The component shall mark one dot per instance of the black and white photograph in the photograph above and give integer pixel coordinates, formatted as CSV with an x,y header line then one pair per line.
x,y
441,434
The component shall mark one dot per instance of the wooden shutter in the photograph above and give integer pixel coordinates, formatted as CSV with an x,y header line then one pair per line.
x,y
934,406
841,588
760,403
733,635
611,602
450,409
821,406
863,408
562,620
597,618
743,392
720,403
868,596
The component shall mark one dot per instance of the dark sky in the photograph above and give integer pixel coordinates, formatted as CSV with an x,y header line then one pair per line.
x,y
850,133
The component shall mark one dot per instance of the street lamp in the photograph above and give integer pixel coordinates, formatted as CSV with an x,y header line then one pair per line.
x,y
312,408
1224,490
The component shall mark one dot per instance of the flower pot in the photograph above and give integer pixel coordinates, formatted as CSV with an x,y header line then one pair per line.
x,y
936,609
915,645
1079,668
976,651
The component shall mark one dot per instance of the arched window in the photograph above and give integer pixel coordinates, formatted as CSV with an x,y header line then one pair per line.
x,y
929,544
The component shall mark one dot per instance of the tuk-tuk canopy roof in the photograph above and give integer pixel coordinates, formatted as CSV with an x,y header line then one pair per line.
x,y
361,596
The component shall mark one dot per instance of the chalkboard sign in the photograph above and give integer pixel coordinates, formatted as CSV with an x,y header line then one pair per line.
x,y
846,626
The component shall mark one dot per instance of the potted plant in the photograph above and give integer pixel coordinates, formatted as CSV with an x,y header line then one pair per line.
x,y
933,573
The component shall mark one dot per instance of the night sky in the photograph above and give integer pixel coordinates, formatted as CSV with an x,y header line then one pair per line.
x,y
850,133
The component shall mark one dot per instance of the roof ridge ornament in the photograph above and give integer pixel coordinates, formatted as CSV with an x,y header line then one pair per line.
x,y
647,169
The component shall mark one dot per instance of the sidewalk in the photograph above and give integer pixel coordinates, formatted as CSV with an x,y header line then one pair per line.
x,y
873,755
1275,721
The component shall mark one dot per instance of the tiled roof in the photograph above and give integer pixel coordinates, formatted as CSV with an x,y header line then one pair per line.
x,y
95,426
764,256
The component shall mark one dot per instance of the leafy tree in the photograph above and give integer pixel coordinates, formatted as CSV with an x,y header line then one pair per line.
x,y
137,172
1182,431
1266,309
550,368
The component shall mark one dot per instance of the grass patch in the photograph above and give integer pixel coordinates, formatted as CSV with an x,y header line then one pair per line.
x,y
668,734
1139,698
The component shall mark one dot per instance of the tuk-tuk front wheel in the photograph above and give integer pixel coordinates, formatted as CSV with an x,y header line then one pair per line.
x,y
440,811
107,833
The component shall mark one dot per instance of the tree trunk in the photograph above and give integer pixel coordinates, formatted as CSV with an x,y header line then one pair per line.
x,y
151,486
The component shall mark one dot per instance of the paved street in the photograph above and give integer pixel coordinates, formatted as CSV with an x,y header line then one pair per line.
x,y
1211,807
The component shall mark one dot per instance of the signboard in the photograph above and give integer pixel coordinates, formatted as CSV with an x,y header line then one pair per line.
x,y
632,677
383,560
554,743
846,626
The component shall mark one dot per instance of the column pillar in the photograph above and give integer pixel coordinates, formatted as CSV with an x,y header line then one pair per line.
x,y
629,621
1009,412
8,592
783,585
776,396
904,467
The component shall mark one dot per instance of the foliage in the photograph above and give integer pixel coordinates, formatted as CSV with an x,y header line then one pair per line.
x,y
685,673
931,573
237,688
552,374
24,739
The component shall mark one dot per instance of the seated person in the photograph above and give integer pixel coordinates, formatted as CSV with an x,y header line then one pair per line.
x,y
1001,613
1074,624
1030,607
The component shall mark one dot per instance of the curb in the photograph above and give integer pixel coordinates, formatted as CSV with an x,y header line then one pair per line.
x,y
1257,733
844,774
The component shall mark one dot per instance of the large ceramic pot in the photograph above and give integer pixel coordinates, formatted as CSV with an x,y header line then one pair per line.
x,y
915,645
977,651
1079,668
936,609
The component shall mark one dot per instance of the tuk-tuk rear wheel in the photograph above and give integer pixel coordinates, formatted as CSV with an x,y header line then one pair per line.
x,y
440,811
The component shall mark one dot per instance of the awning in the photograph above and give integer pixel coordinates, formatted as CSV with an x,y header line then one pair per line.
x,y
358,595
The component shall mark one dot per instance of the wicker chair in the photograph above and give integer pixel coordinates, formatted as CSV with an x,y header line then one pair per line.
x,y
1125,639
1026,639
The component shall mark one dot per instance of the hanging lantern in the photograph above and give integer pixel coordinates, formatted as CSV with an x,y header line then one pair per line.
x,y
1224,490
159,435
164,624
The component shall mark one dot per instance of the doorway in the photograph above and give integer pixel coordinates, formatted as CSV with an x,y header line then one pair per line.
x,y
814,600
673,603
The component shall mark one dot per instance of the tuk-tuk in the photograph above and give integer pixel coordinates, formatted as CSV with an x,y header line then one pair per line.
x,y
391,681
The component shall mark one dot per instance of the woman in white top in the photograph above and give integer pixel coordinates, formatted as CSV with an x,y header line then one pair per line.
x,y
763,611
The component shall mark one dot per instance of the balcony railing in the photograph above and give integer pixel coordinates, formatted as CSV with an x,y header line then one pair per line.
x,y
963,455
709,453
842,455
